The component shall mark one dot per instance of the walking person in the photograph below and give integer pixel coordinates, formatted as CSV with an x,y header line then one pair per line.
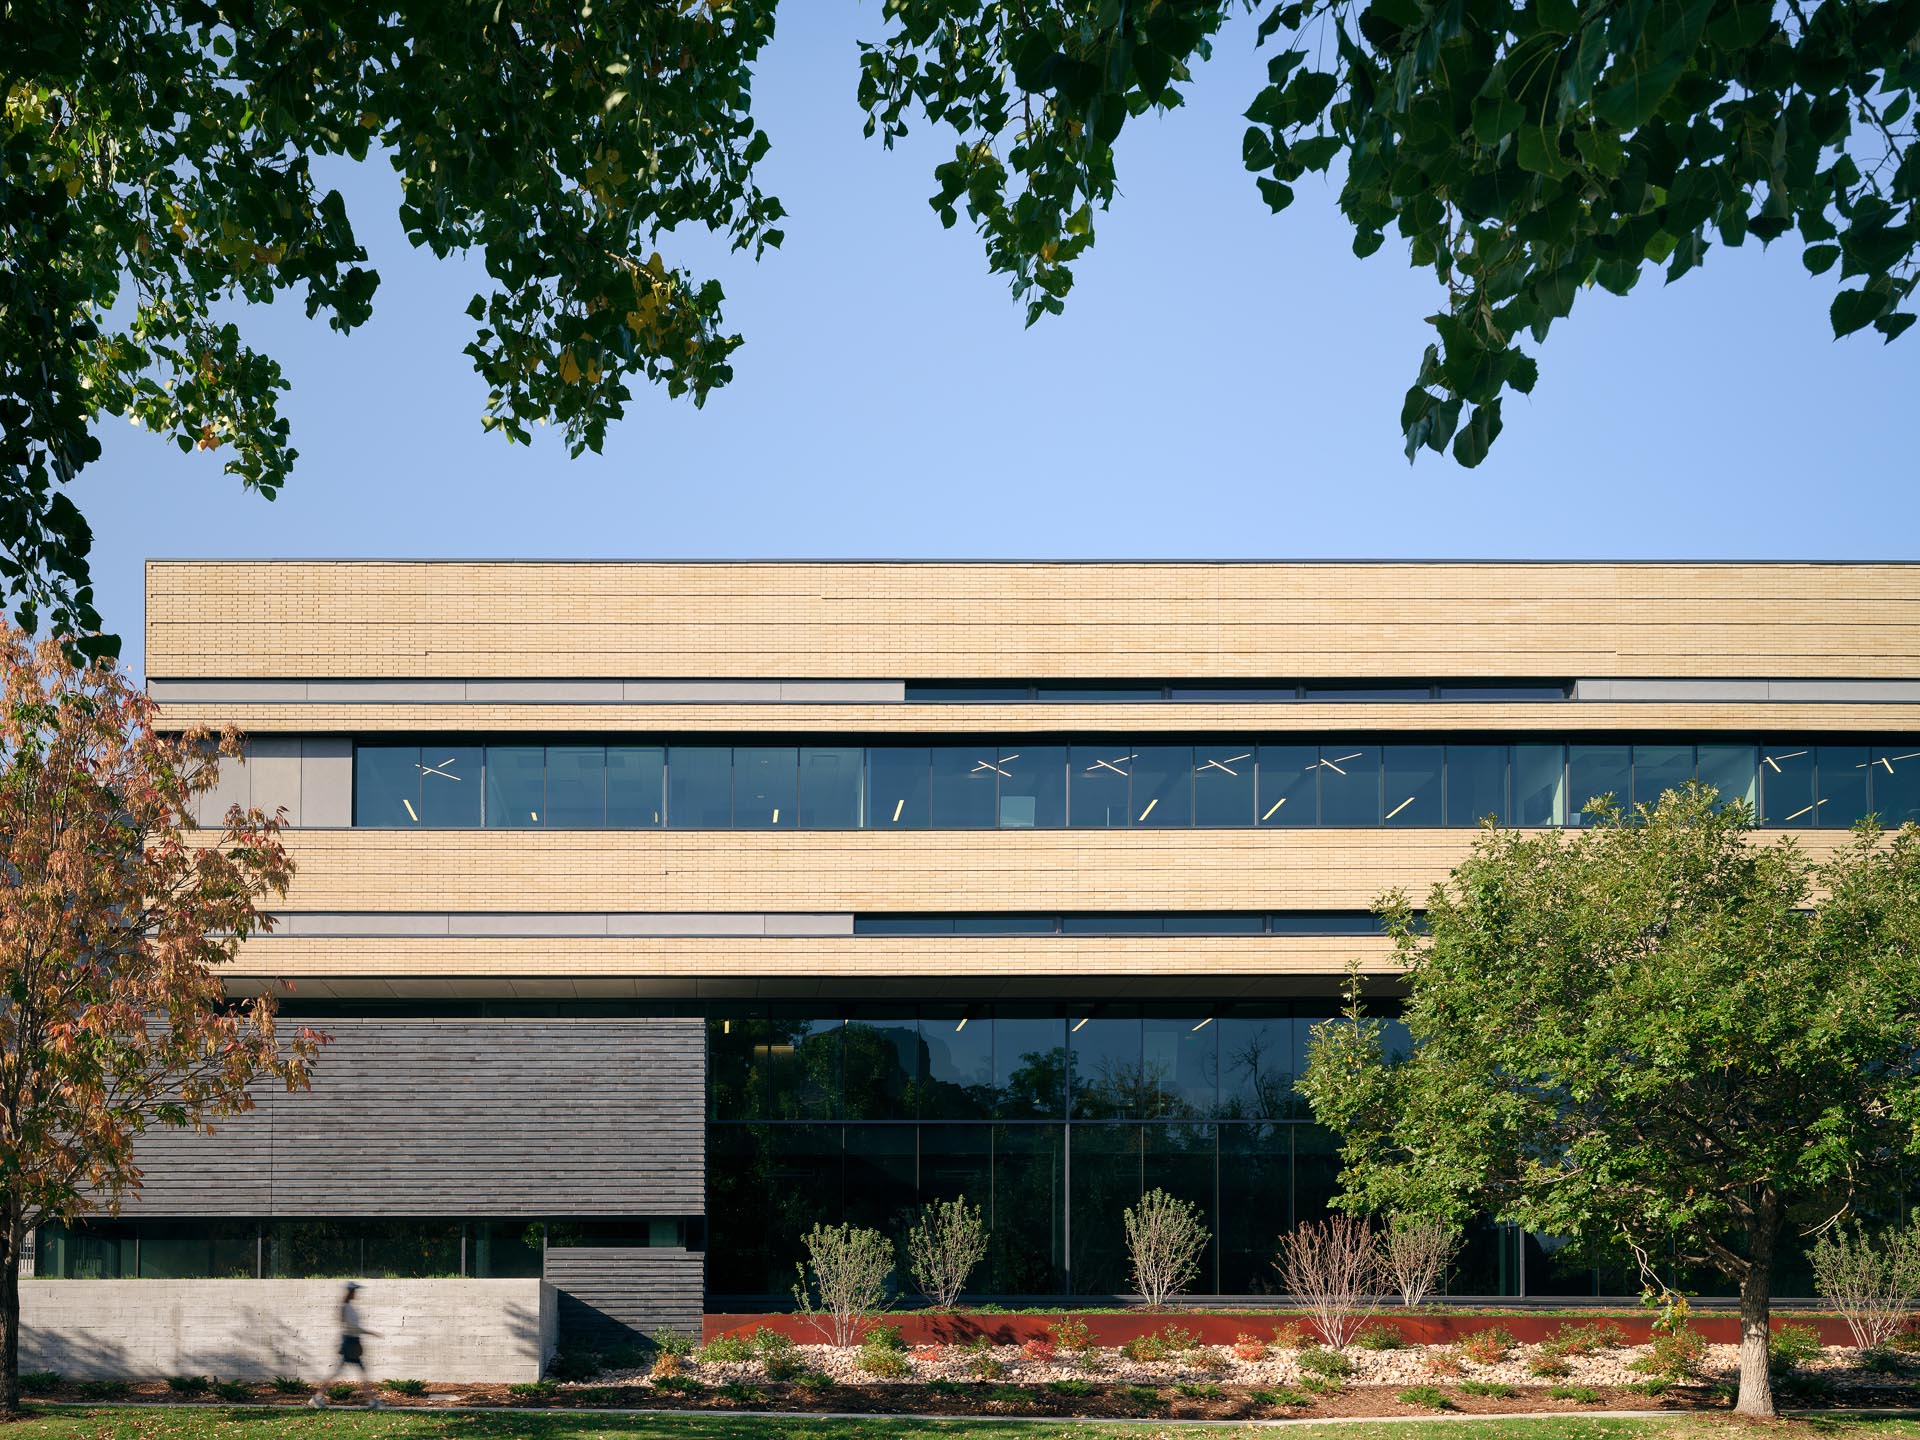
x,y
351,1352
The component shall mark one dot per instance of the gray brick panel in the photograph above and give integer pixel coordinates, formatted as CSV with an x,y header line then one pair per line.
x,y
458,1117
612,1297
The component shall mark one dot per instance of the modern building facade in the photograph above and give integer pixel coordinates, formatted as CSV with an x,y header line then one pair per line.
x,y
658,911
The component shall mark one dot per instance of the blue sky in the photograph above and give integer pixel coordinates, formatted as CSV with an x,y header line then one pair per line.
x,y
1225,382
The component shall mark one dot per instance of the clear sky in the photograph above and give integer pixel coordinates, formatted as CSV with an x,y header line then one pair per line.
x,y
1225,382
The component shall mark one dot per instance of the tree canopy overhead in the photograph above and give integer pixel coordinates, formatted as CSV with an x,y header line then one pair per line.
x,y
1655,1039
156,159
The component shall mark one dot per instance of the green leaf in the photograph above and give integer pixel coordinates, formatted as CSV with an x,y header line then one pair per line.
x,y
1277,194
1471,445
1895,325
1855,310
1540,152
1820,258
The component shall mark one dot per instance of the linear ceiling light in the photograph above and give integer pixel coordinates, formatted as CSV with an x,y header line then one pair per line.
x,y
961,1026
412,814
1398,808
1148,811
776,814
898,806
1081,1021
1203,1024
1275,806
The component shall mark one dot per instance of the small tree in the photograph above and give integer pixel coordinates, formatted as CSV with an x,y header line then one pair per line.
x,y
1415,1253
1651,1037
1332,1267
843,1281
945,1245
113,925
1873,1284
1164,1242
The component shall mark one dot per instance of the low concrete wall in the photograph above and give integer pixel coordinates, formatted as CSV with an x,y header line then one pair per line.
x,y
448,1330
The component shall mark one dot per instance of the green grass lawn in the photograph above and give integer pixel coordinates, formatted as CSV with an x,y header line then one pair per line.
x,y
215,1423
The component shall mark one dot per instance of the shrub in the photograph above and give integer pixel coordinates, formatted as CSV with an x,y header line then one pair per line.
x,y
1074,1388
1322,1384
1548,1366
1146,1349
674,1343
1379,1337
1249,1347
1415,1253
843,1282
1585,1394
944,1247
1007,1395
1792,1346
1207,1359
1873,1283
233,1390
340,1392
885,1337
739,1392
39,1382
1291,1335
287,1385
1072,1334
944,1386
879,1360
1333,1267
1142,1397
985,1365
189,1384
779,1356
596,1395
1802,1385
624,1357
115,1389
726,1350
1328,1363
573,1365
1278,1396
1675,1354
1038,1349
1427,1397
1199,1392
813,1382
666,1365
546,1389
1649,1387
1443,1360
1164,1241
1491,1389
1487,1347
1882,1362
1586,1339
406,1387
666,1384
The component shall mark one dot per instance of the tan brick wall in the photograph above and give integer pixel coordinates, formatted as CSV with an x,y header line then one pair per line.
x,y
459,619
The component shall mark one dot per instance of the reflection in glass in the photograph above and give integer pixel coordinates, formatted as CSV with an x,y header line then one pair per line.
x,y
897,783
1786,785
1029,1067
1729,769
386,785
1658,769
1098,800
766,787
1350,785
1223,784
1539,785
1179,1067
450,797
964,785
1257,1056
1412,784
1106,1073
577,786
1842,771
830,777
1182,1160
1476,784
1256,1201
700,787
1033,787
1028,1244
516,785
880,1061
1163,786
1289,785
1106,1182
1896,785
1597,771
958,1050
881,1177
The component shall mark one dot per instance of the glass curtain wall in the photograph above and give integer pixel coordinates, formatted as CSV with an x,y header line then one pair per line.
x,y
1112,784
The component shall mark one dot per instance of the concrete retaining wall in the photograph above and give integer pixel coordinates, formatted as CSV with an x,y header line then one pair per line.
x,y
450,1330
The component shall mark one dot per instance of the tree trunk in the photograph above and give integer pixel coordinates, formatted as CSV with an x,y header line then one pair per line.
x,y
1756,1314
9,1315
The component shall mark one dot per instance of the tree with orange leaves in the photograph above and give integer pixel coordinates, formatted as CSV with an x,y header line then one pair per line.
x,y
114,921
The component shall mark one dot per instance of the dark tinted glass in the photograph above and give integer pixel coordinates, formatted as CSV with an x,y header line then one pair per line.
x,y
1786,785
1539,785
1896,785
1179,1067
1223,784
1106,1183
1658,769
956,1163
1289,785
1842,771
1100,776
933,692
881,1185
1258,694
1004,925
881,1066
766,787
1181,1160
1027,1254
1476,784
1342,691
830,781
783,1068
1594,771
964,786
1728,769
903,924
1324,922
1257,1055
700,787
1256,1184
1350,785
1503,692
958,1046
1112,923
1033,787
1030,1067
1216,924
577,786
386,785
1095,694
516,786
450,793
503,1250
412,1249
1106,1067
203,1249
1163,786
897,785
636,786
1412,781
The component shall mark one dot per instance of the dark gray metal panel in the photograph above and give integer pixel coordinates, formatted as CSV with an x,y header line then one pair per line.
x,y
612,1297
459,1117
